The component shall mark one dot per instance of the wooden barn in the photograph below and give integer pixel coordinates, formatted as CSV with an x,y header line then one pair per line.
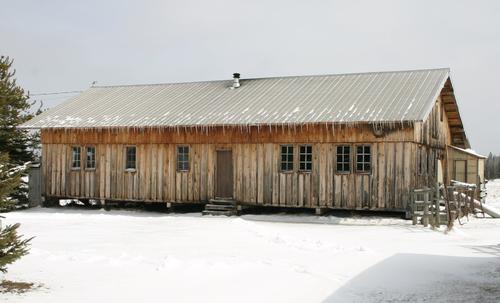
x,y
347,141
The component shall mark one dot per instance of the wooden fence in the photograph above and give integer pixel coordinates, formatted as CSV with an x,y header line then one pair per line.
x,y
443,205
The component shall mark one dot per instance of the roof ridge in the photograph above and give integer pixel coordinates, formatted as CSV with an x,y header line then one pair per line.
x,y
273,77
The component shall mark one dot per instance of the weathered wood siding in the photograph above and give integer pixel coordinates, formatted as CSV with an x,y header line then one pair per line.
x,y
256,163
155,178
435,131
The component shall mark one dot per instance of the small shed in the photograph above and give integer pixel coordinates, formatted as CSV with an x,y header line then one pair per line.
x,y
465,165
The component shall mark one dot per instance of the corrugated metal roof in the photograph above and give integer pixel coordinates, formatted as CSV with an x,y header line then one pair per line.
x,y
366,97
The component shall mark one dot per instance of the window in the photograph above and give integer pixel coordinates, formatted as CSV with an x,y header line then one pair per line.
x,y
305,157
182,158
419,161
75,157
130,157
423,158
343,159
441,112
363,158
286,158
434,122
90,161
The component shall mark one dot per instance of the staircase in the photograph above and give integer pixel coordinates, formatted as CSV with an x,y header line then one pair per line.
x,y
219,206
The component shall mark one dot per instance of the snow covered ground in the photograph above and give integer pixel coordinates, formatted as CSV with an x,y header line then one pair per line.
x,y
133,256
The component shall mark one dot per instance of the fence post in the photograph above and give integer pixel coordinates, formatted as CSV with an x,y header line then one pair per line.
x,y
437,209
34,184
413,208
425,218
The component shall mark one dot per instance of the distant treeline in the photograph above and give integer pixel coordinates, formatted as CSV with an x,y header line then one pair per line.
x,y
492,170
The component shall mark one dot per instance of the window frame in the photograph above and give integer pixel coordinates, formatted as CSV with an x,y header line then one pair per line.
x,y
179,161
127,168
363,162
435,121
87,158
441,112
343,146
287,162
305,161
73,159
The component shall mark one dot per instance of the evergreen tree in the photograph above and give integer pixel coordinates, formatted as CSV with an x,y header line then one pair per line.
x,y
489,166
12,246
492,169
9,181
19,144
16,148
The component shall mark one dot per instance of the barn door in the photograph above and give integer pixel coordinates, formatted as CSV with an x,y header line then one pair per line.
x,y
224,174
460,170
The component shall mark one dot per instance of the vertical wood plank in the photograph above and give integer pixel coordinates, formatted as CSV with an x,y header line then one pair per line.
x,y
203,173
153,170
268,175
160,173
101,151
300,198
382,180
322,172
63,170
307,190
260,173
276,177
52,155
189,175
329,175
252,184
175,181
407,174
289,190
315,176
374,178
282,192
107,191
196,172
210,171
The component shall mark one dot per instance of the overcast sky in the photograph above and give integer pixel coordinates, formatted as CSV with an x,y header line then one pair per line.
x,y
65,45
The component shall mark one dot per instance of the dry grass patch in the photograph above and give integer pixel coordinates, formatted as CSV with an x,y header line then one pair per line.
x,y
7,286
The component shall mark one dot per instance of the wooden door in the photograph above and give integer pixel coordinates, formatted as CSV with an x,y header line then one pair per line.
x,y
224,174
461,170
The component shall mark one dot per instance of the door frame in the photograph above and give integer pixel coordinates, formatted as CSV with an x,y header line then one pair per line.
x,y
455,169
216,183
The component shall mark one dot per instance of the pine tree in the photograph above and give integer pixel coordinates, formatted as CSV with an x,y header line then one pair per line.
x,y
9,181
489,166
12,246
15,150
19,144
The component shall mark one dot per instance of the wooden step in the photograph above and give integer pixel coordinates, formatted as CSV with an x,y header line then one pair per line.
x,y
222,201
220,212
219,207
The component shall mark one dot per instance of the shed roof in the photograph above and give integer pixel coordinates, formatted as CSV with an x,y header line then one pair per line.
x,y
375,97
468,151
